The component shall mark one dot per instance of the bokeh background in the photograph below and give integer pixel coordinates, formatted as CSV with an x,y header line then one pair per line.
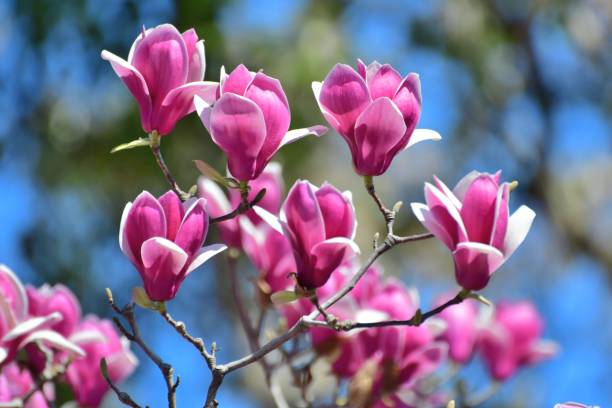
x,y
523,86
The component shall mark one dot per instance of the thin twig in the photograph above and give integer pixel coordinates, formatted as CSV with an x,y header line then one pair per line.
x,y
243,207
155,144
57,372
122,396
127,312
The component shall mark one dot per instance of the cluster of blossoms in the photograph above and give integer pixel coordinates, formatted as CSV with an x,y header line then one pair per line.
x,y
44,336
303,245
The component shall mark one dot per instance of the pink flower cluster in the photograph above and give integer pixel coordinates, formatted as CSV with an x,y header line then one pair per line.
x,y
43,327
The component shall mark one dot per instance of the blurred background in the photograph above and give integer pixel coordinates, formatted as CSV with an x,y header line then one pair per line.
x,y
522,86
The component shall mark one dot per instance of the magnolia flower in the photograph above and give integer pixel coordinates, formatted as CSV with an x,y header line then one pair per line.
x,y
250,121
18,329
219,204
320,225
15,384
99,340
163,239
164,71
512,340
48,299
461,331
374,110
473,222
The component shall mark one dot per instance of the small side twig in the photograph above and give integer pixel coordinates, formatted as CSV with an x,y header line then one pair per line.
x,y
155,144
133,334
244,206
122,396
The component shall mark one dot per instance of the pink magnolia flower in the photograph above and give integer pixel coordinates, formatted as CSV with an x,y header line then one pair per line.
x,y
163,239
18,329
461,331
374,110
320,225
99,340
164,71
512,340
250,121
573,405
15,384
48,299
473,222
219,204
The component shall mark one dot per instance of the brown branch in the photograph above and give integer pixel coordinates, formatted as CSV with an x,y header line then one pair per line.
x,y
243,207
127,312
156,150
122,396
57,372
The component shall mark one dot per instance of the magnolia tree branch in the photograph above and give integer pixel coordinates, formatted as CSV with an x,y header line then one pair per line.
x,y
122,396
155,144
244,206
46,377
391,240
133,334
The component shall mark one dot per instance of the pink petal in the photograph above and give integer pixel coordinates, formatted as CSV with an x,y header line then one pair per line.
x,y
384,82
378,131
361,68
173,210
137,86
478,209
500,220
518,227
337,210
179,103
327,256
238,127
463,184
163,262
237,81
268,94
204,254
145,219
475,263
445,214
408,100
53,339
344,95
13,293
304,217
296,134
161,57
193,229
195,51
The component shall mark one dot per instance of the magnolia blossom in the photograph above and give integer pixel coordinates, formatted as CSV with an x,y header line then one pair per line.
x,y
164,71
250,121
512,340
219,204
19,329
48,299
473,222
375,110
163,239
99,340
320,225
15,384
461,332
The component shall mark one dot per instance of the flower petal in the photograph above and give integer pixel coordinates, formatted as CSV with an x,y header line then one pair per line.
x,y
163,263
475,262
378,130
383,82
174,212
180,102
445,213
296,134
518,227
161,57
327,256
145,219
478,208
420,135
204,254
269,218
195,51
31,324
337,210
304,218
53,339
422,213
135,83
238,127
237,81
344,95
193,229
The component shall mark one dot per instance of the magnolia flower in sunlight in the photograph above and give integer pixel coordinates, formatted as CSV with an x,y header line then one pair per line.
x,y
375,110
19,329
512,340
320,224
48,299
163,239
250,121
219,204
164,71
99,340
473,222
